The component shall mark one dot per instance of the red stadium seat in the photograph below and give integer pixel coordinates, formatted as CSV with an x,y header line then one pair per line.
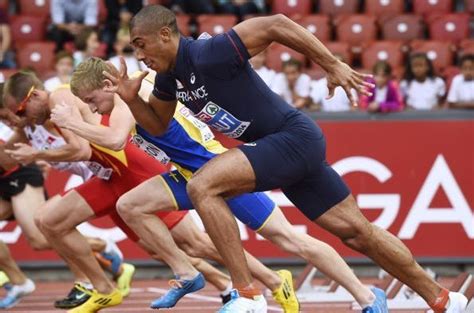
x,y
291,7
216,24
384,7
4,5
5,73
38,55
39,8
449,73
316,24
183,24
469,6
356,29
277,54
341,48
26,29
389,51
403,27
466,46
335,7
439,52
432,6
453,27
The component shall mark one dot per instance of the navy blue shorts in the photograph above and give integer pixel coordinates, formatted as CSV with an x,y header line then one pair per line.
x,y
294,159
252,209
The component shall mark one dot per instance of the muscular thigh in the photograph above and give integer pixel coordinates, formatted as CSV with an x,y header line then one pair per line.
x,y
25,205
227,174
152,195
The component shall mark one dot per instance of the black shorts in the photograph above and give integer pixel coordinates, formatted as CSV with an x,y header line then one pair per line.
x,y
15,182
294,159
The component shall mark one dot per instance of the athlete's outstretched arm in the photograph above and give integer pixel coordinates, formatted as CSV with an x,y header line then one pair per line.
x,y
153,115
258,33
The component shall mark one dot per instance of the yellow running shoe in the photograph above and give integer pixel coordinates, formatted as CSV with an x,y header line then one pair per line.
x,y
125,279
285,294
98,301
3,279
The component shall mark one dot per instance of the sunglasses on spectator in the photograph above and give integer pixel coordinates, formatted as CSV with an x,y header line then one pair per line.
x,y
22,108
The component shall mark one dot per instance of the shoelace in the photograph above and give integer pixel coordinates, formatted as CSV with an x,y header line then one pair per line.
x,y
175,283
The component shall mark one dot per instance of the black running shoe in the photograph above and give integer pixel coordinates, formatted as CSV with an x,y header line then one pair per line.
x,y
75,298
226,298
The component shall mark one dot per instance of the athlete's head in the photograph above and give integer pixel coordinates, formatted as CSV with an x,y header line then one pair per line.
x,y
89,84
24,95
155,37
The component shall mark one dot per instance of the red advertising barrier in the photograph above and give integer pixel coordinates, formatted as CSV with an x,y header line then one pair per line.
x,y
414,178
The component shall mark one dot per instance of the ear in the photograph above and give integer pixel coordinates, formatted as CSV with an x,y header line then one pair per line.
x,y
107,84
165,33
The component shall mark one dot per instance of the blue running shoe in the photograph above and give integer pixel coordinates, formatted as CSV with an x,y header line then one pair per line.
x,y
380,303
115,262
15,293
238,304
179,288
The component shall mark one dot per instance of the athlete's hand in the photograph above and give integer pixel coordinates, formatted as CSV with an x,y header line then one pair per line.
x,y
127,88
10,118
25,154
64,114
343,75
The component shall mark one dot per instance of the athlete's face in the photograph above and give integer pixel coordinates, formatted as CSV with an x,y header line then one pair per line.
x,y
36,107
99,101
156,49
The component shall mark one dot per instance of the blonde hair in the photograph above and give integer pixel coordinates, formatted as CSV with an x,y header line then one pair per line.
x,y
88,75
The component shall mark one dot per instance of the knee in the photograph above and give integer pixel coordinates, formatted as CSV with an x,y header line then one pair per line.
x,y
358,237
38,244
125,207
292,244
198,188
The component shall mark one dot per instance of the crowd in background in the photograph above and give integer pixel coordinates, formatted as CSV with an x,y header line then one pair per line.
x,y
78,34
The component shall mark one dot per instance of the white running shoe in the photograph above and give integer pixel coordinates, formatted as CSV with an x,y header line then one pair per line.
x,y
457,303
15,293
239,304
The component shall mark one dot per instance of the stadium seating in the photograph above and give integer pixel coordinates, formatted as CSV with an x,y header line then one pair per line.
x,y
389,51
38,55
216,24
466,46
356,29
342,49
336,7
384,7
428,7
183,24
292,7
438,51
453,27
469,6
26,29
38,8
403,27
277,54
316,24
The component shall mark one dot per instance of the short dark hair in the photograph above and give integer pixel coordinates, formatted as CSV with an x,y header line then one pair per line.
x,y
62,55
466,57
20,83
409,75
382,66
154,17
292,62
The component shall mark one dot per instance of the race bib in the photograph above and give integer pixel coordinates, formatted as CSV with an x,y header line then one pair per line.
x,y
204,130
150,149
99,170
222,121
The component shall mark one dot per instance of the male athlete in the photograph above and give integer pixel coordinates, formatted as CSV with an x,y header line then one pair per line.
x,y
284,148
21,194
189,144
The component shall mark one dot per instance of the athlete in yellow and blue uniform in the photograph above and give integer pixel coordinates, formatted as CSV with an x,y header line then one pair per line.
x,y
188,144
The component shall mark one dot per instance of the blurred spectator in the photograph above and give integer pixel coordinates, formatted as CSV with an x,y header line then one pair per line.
x,y
386,96
461,93
339,102
64,66
241,7
124,49
192,7
293,85
69,17
421,88
87,45
7,57
119,14
258,64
